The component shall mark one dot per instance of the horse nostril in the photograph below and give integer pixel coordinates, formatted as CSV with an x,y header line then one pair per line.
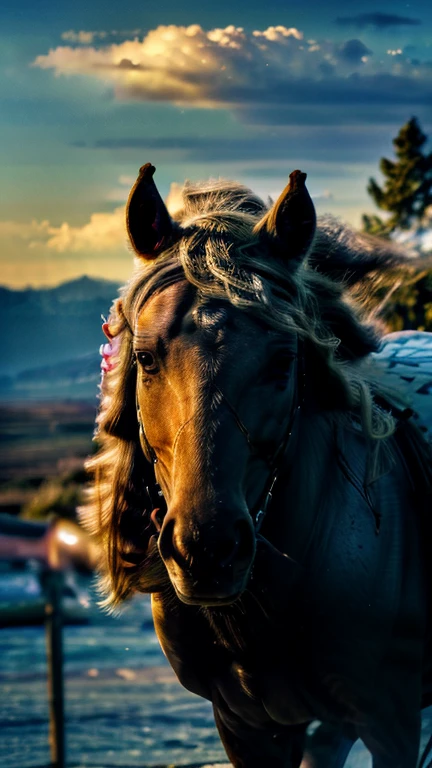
x,y
165,541
210,550
170,547
157,518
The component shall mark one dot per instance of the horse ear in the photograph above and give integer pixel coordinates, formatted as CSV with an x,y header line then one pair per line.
x,y
290,223
148,222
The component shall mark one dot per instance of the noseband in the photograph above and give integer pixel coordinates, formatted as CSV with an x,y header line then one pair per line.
x,y
154,490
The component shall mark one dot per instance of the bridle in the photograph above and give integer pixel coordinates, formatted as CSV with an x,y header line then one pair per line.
x,y
275,462
279,457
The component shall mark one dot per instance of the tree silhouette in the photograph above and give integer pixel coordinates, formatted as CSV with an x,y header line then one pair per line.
x,y
407,189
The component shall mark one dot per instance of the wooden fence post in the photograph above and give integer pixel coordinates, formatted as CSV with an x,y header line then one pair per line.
x,y
57,547
53,582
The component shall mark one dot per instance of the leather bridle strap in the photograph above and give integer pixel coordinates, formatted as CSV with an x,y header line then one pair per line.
x,y
264,502
267,494
143,437
255,449
153,490
280,453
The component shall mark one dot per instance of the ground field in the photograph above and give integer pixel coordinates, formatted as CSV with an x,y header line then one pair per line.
x,y
39,441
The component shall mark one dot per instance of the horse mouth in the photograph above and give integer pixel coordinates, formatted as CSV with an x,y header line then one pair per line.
x,y
208,601
214,573
211,593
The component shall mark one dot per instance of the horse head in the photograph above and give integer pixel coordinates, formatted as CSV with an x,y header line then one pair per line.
x,y
212,333
215,385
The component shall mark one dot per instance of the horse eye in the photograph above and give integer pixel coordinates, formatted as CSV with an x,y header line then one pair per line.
x,y
147,361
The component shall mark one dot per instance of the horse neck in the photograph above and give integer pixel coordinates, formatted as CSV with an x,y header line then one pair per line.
x,y
307,478
315,450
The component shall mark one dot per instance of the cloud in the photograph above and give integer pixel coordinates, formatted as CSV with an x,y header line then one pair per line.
x,y
269,77
319,170
377,20
103,232
24,230
85,37
323,197
322,143
354,52
230,68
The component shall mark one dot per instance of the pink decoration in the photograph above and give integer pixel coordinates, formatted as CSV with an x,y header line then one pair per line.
x,y
108,351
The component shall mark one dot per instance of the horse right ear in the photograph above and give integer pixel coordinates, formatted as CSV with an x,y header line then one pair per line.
x,y
148,222
289,225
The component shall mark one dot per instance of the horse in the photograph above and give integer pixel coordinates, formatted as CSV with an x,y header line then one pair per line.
x,y
256,478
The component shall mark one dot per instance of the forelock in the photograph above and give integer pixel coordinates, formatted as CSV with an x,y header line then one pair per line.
x,y
217,196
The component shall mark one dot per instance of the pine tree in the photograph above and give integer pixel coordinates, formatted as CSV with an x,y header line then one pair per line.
x,y
407,188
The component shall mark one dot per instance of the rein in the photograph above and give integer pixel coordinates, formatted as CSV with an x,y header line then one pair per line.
x,y
153,490
280,454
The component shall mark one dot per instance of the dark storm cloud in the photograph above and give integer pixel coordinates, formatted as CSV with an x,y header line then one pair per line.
x,y
353,51
323,144
333,100
377,20
276,171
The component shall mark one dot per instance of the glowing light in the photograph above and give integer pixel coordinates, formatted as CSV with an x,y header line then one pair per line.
x,y
126,674
93,672
67,538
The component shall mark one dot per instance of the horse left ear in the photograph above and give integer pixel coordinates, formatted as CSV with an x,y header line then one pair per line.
x,y
290,223
148,222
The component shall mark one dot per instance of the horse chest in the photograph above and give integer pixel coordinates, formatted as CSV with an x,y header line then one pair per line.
x,y
272,678
254,666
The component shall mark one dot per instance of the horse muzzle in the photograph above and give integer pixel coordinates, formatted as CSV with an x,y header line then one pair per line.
x,y
208,564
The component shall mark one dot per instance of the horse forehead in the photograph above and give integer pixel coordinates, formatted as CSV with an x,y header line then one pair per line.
x,y
211,316
179,309
163,313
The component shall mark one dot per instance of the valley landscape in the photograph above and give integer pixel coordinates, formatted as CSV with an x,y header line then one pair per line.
x,y
49,393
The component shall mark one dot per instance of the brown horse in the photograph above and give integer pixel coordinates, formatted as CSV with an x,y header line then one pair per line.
x,y
256,481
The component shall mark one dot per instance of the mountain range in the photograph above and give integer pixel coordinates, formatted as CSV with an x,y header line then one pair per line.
x,y
51,339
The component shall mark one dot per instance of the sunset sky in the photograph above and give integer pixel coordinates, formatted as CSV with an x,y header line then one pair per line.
x,y
242,89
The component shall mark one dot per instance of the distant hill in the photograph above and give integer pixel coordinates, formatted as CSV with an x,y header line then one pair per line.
x,y
51,338
75,379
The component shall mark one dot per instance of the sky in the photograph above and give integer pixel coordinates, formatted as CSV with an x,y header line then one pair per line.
x,y
241,89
